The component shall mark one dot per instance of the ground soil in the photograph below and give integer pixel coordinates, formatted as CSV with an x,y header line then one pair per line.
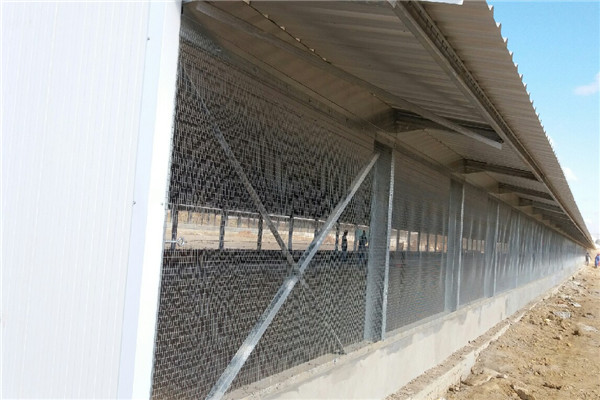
x,y
552,352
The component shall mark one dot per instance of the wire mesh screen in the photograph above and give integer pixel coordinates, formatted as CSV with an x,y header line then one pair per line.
x,y
525,250
506,260
266,190
215,287
418,243
473,262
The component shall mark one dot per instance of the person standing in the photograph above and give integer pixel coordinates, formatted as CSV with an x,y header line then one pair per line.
x,y
587,258
597,260
344,244
362,246
362,242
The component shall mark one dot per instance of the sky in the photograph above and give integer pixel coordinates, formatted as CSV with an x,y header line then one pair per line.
x,y
556,45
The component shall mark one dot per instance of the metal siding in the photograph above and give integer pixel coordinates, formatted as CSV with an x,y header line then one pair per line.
x,y
72,84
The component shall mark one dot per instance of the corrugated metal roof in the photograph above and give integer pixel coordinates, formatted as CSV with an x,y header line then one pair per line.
x,y
370,49
507,93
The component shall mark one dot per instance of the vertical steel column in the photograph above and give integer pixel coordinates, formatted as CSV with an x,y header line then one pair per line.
x,y
337,236
517,249
491,237
541,252
174,223
454,258
527,250
387,244
444,245
379,245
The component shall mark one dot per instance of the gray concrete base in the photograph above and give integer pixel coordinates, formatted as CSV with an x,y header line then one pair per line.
x,y
376,370
434,383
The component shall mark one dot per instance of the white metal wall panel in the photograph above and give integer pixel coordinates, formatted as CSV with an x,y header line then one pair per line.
x,y
72,88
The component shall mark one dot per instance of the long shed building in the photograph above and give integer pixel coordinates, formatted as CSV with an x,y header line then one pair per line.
x,y
274,199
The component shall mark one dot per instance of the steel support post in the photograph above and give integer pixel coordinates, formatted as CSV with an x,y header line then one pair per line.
x,y
387,244
541,251
454,258
444,245
379,245
174,223
517,249
491,237
244,351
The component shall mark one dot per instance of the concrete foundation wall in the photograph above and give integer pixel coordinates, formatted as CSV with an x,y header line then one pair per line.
x,y
379,369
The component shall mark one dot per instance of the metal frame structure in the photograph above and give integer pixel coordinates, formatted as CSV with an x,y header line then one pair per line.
x,y
284,291
322,64
459,243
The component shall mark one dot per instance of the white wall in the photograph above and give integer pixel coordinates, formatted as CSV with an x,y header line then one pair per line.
x,y
73,97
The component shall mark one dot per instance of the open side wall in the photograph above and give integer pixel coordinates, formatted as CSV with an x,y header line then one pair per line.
x,y
84,162
327,236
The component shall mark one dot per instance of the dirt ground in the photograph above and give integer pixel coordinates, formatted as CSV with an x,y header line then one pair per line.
x,y
553,352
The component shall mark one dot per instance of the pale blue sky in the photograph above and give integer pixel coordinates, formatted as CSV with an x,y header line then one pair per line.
x,y
557,48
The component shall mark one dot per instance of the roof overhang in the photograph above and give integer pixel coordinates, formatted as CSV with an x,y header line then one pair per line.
x,y
435,78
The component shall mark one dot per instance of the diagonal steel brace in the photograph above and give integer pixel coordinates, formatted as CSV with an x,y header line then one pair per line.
x,y
258,203
240,357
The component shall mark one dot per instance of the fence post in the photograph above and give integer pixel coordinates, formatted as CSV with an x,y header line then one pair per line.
x,y
174,223
491,237
517,248
222,229
379,245
290,232
454,258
